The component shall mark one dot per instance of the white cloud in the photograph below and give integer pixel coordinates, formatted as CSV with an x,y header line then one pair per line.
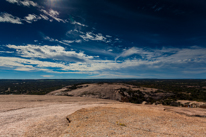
x,y
114,75
78,41
108,36
78,23
6,52
81,63
109,41
55,40
26,3
47,76
21,64
50,52
25,64
184,55
44,17
145,54
65,42
91,36
130,52
53,14
31,18
170,55
12,1
72,41
75,31
6,17
87,36
68,41
49,39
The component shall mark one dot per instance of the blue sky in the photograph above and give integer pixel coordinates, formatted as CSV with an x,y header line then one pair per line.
x,y
63,39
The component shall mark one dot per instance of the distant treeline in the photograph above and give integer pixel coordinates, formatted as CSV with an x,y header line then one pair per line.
x,y
193,89
43,86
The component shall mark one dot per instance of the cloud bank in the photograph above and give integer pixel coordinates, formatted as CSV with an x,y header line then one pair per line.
x,y
50,52
148,59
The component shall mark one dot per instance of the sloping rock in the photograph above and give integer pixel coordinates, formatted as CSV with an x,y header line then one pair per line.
x,y
130,120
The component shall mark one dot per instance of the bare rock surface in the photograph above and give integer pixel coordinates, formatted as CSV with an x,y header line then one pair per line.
x,y
45,116
128,120
39,116
103,91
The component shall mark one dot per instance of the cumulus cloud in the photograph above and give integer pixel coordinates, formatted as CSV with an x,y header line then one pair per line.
x,y
26,3
50,52
6,17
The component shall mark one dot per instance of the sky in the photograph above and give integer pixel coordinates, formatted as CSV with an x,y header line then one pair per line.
x,y
92,39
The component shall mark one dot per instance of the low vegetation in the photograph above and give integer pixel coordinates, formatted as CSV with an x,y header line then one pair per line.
x,y
194,90
121,124
167,93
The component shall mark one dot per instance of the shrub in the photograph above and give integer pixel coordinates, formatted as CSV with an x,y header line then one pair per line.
x,y
120,124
